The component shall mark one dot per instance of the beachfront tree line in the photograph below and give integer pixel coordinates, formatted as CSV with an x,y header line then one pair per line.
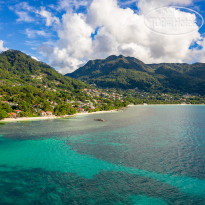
x,y
32,100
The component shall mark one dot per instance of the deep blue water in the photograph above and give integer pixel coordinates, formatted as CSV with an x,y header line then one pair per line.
x,y
144,155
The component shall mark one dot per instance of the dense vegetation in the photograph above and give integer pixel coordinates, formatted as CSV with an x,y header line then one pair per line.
x,y
137,97
34,87
17,67
130,73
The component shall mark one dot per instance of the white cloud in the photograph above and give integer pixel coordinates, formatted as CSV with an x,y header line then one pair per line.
x,y
35,33
147,5
50,19
23,11
34,58
24,6
197,54
119,31
27,13
24,16
74,44
72,4
2,48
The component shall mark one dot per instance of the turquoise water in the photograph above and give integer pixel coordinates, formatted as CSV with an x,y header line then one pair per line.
x,y
144,155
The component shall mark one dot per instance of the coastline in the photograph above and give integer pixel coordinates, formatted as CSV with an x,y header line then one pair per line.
x,y
166,104
21,119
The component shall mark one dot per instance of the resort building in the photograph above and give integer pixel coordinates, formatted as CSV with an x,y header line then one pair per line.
x,y
12,115
49,113
43,114
18,111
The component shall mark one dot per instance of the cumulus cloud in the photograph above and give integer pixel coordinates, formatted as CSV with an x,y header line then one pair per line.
x,y
74,45
197,54
107,29
50,19
2,48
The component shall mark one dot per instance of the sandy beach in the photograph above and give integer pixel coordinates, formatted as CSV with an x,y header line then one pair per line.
x,y
78,114
20,119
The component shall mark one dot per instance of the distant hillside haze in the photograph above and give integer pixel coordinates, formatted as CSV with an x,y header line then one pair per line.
x,y
129,73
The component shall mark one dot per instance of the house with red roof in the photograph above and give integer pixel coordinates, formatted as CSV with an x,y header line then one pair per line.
x,y
49,113
18,111
43,114
12,115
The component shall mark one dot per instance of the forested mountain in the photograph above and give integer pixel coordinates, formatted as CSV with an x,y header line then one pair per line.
x,y
129,73
17,67
32,88
29,87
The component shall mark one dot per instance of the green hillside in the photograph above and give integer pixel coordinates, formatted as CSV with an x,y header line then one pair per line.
x,y
129,73
32,87
17,67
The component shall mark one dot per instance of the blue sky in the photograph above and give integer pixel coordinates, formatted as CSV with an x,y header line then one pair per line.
x,y
67,33
13,32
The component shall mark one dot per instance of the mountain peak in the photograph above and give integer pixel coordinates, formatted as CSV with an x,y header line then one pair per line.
x,y
21,68
129,73
114,57
12,51
108,66
15,54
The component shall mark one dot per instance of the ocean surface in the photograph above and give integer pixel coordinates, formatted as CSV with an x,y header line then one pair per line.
x,y
146,155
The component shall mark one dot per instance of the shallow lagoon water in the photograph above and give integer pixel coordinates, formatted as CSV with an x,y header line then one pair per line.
x,y
144,155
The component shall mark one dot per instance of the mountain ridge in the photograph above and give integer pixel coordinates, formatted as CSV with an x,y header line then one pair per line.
x,y
19,67
29,88
129,73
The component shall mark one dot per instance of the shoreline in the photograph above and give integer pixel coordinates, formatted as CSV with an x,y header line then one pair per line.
x,y
166,104
24,119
